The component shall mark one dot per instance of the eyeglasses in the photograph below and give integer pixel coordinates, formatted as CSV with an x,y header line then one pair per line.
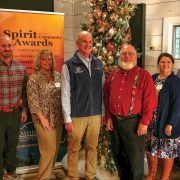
x,y
128,53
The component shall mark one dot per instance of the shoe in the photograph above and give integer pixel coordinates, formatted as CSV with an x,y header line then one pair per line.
x,y
12,176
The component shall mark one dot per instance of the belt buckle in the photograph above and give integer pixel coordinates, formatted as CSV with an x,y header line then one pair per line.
x,y
119,117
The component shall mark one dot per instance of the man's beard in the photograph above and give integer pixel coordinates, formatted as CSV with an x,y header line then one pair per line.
x,y
6,55
127,66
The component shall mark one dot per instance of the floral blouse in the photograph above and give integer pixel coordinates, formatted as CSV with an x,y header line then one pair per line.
x,y
45,96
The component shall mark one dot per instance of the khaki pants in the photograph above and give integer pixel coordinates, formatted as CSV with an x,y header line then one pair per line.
x,y
90,126
49,142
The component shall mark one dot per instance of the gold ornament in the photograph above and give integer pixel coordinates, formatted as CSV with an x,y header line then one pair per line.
x,y
103,63
98,44
100,57
104,50
96,40
110,58
114,17
111,5
95,50
107,25
104,14
111,32
93,2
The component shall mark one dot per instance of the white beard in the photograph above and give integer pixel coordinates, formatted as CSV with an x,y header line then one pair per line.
x,y
127,66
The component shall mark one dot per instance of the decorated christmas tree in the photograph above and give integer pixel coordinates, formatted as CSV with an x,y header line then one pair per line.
x,y
104,155
108,22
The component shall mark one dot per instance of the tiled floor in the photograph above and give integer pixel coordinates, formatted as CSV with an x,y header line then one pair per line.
x,y
61,174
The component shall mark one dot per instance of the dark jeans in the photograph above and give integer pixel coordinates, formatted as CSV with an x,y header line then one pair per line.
x,y
128,149
9,134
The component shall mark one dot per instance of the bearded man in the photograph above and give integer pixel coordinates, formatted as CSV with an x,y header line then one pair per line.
x,y
130,99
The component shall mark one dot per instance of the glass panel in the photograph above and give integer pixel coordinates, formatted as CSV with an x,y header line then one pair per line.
x,y
176,42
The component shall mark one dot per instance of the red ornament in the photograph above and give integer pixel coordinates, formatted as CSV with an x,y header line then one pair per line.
x,y
110,46
119,1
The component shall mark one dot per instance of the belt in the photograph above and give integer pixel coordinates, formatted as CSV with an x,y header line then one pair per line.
x,y
4,109
127,117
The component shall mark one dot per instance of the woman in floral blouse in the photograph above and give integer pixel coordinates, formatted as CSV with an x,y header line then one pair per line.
x,y
163,140
44,100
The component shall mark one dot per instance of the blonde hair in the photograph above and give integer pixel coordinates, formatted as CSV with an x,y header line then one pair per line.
x,y
36,61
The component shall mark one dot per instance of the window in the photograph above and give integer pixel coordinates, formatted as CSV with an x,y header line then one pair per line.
x,y
171,37
176,42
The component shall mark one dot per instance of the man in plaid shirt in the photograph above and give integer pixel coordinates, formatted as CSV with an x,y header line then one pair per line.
x,y
13,105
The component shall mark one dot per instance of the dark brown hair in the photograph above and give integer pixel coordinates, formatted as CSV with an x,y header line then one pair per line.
x,y
165,55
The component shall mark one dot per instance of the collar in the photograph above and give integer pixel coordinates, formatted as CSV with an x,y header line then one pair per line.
x,y
125,71
84,58
44,74
3,63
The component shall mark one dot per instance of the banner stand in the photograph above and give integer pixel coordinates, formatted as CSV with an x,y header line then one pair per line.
x,y
30,32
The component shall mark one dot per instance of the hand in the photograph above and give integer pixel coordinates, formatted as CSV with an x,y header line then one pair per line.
x,y
103,120
69,127
109,124
45,124
142,129
168,130
20,102
23,116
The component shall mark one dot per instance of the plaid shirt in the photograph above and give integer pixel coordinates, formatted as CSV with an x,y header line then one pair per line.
x,y
13,80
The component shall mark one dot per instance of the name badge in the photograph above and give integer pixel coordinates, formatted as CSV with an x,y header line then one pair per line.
x,y
57,84
159,86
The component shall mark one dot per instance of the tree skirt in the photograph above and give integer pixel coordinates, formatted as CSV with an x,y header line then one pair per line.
x,y
102,174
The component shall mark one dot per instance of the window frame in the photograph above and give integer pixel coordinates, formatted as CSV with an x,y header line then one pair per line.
x,y
174,39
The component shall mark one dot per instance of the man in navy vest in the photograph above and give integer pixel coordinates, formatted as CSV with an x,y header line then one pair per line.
x,y
82,79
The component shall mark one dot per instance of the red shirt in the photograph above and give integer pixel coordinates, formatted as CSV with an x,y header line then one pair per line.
x,y
118,94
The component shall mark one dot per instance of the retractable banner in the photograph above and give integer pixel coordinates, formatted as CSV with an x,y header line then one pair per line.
x,y
31,31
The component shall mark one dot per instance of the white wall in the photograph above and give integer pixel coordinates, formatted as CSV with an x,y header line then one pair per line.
x,y
67,7
156,11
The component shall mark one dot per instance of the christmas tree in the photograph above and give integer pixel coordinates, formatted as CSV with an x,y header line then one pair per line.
x,y
104,155
108,22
